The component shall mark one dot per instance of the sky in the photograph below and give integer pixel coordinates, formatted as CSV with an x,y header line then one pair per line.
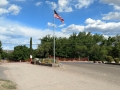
x,y
22,19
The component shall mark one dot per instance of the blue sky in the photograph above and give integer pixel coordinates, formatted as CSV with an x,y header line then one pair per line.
x,y
22,19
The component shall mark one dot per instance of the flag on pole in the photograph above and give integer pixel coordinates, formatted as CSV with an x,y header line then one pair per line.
x,y
58,16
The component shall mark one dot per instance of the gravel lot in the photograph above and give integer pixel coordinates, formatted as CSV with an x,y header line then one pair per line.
x,y
67,77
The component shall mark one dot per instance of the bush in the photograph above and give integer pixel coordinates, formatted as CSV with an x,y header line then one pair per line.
x,y
0,57
116,60
109,59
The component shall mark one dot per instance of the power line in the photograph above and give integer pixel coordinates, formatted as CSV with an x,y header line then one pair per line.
x,y
21,44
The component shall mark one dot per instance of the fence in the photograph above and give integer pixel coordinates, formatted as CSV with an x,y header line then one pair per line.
x,y
71,59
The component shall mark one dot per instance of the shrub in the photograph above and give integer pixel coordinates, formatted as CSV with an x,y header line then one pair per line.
x,y
109,59
116,60
0,57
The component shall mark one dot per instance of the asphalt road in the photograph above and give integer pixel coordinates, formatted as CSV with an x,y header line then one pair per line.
x,y
103,72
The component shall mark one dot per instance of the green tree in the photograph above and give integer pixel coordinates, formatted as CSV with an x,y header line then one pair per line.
x,y
62,47
98,53
82,44
116,50
116,60
46,47
20,53
4,55
109,59
0,49
10,56
81,51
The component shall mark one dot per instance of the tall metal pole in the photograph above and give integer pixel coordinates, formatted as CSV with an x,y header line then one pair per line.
x,y
88,58
54,35
30,49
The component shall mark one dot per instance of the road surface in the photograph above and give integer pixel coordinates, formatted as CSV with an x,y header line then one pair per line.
x,y
70,76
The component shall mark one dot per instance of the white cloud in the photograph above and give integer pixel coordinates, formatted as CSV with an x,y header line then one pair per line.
x,y
16,34
51,24
52,4
106,36
3,37
91,21
73,28
63,3
62,25
116,7
109,28
103,27
19,0
115,2
65,9
64,6
68,5
7,8
3,11
3,3
38,3
111,16
14,9
83,3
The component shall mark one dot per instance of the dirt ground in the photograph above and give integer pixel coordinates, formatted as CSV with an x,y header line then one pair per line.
x,y
36,77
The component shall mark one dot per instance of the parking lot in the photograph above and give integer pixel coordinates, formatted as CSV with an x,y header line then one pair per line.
x,y
70,76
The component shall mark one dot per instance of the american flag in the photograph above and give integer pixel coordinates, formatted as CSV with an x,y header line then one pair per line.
x,y
58,16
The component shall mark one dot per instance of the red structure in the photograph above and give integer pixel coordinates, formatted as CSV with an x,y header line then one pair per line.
x,y
71,59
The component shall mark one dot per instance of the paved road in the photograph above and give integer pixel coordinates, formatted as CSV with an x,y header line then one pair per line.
x,y
104,72
70,76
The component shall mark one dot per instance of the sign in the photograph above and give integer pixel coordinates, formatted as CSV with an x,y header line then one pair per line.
x,y
30,56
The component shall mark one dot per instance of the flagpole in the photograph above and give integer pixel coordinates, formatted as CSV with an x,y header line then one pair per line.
x,y
54,35
62,20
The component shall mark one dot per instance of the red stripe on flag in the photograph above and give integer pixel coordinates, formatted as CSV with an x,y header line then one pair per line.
x,y
58,16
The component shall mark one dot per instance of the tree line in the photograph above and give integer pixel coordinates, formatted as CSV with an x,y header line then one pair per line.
x,y
81,44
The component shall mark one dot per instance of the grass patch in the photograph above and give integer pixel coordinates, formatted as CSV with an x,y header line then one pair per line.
x,y
7,85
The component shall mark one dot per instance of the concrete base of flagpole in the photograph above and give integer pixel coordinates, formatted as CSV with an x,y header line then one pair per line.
x,y
55,65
